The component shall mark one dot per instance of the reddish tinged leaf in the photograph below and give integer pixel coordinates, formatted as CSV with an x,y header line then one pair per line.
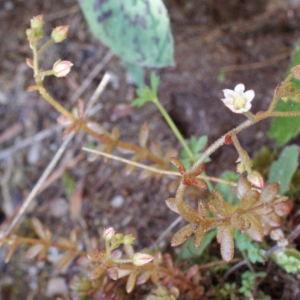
x,y
48,234
144,135
64,263
283,209
219,203
272,219
65,242
95,256
197,171
113,273
131,281
80,108
39,228
199,233
183,234
243,187
225,238
156,149
155,276
198,182
168,261
192,271
265,210
269,193
256,231
33,251
13,247
43,254
171,153
143,277
177,163
249,199
128,250
123,273
115,133
187,212
211,207
240,223
97,272
76,200
157,258
202,209
121,111
171,203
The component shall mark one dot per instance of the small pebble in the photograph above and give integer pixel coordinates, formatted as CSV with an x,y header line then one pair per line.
x,y
117,201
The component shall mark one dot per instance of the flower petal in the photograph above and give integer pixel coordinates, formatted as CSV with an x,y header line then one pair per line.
x,y
239,88
249,95
229,93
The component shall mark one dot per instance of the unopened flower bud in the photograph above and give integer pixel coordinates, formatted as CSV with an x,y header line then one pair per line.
x,y
37,22
61,68
109,233
59,33
256,179
140,259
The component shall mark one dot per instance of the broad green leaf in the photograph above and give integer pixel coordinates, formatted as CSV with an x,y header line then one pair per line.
x,y
283,169
284,129
138,31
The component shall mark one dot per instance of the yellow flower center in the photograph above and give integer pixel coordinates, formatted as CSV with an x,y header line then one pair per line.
x,y
239,102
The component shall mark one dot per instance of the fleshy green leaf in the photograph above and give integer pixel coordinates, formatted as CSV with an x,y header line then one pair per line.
x,y
283,169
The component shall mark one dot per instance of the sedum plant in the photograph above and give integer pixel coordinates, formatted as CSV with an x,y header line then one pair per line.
x,y
259,208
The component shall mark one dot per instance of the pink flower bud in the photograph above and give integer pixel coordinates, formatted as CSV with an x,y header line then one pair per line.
x,y
37,22
140,259
109,233
256,179
59,33
61,68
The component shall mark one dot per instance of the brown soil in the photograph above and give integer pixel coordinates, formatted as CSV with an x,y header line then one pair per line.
x,y
252,40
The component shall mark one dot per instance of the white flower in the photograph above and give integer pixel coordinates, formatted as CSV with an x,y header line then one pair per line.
x,y
238,101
